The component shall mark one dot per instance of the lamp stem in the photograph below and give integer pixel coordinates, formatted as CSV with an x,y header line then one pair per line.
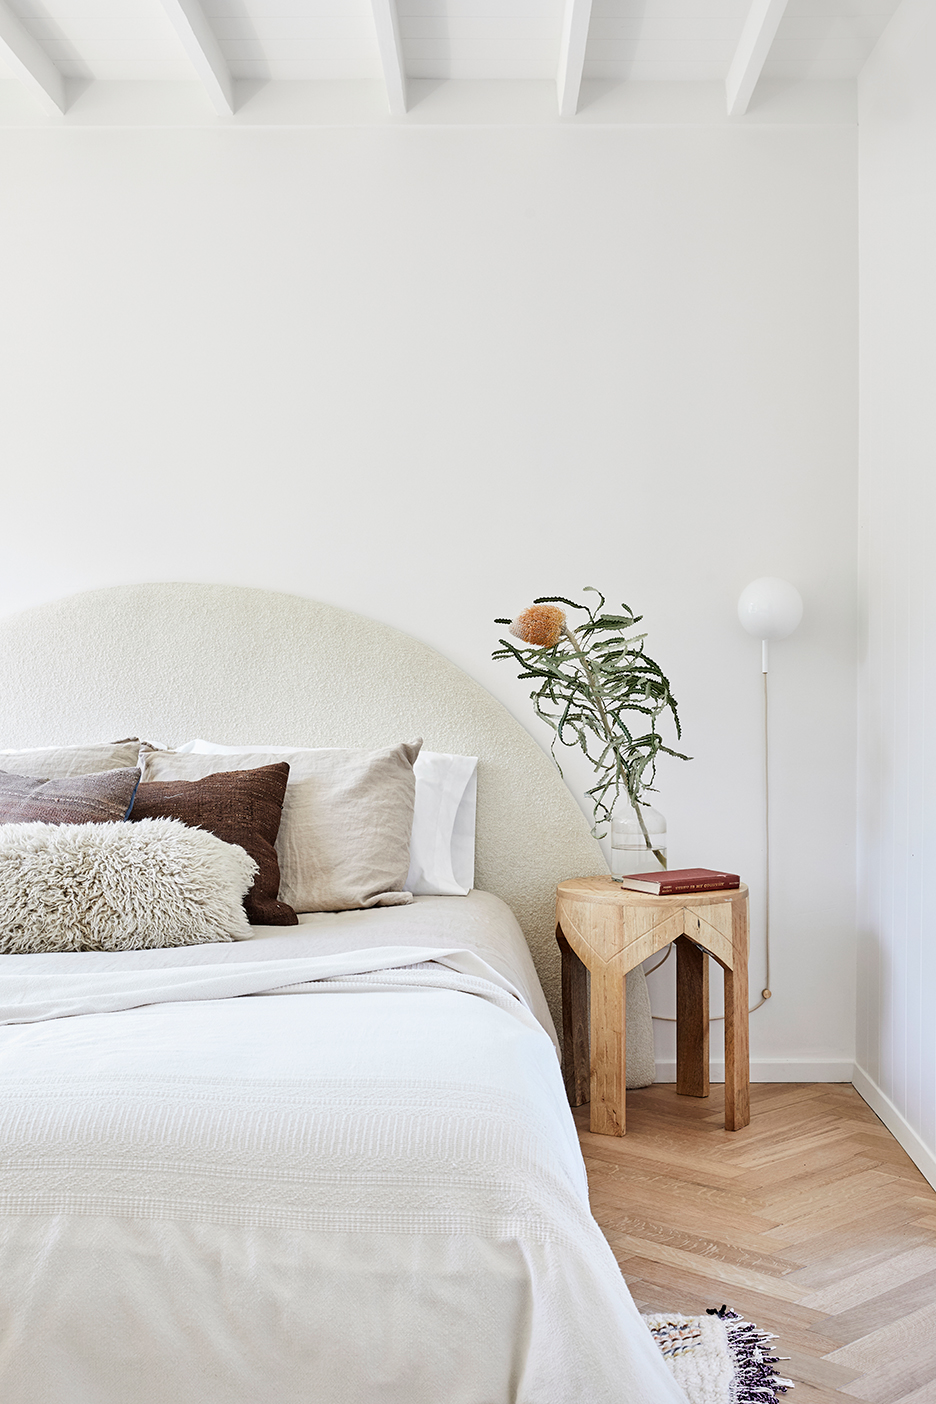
x,y
763,655
765,992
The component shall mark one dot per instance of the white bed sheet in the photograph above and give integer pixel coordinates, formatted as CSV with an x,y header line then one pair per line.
x,y
480,921
362,1189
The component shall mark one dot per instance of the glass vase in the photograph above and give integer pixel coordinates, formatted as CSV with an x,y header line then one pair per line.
x,y
631,852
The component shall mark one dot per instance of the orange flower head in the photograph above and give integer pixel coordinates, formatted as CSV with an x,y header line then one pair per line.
x,y
541,625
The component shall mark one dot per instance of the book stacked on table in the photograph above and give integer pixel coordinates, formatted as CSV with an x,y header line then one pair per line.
x,y
677,880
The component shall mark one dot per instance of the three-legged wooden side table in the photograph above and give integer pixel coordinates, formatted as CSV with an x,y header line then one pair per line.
x,y
608,930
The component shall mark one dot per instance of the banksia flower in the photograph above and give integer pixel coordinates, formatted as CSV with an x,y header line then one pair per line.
x,y
540,625
591,680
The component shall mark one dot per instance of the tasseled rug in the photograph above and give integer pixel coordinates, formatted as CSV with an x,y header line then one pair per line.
x,y
719,1358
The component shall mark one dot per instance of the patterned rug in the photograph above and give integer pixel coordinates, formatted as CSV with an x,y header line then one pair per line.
x,y
719,1358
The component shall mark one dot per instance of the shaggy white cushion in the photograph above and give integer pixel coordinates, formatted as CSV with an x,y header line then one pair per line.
x,y
119,887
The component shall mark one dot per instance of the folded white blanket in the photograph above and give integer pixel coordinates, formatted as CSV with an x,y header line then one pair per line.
x,y
35,995
343,1194
480,922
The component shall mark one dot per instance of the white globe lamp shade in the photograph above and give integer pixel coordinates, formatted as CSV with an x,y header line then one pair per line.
x,y
770,608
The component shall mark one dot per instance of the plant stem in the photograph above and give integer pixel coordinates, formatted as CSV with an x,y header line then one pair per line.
x,y
658,853
594,690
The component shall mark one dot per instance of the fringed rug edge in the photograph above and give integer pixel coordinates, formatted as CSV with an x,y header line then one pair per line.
x,y
739,1371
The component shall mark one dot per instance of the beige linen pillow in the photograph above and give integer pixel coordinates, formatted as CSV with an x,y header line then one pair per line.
x,y
344,839
62,762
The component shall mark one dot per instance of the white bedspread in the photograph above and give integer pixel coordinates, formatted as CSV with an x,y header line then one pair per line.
x,y
365,1188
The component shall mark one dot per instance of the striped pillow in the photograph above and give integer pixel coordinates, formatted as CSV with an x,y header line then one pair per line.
x,y
106,798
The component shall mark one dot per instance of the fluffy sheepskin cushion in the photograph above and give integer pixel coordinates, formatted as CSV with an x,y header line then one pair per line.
x,y
119,887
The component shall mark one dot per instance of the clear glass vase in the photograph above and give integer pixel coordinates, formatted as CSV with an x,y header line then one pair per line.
x,y
630,850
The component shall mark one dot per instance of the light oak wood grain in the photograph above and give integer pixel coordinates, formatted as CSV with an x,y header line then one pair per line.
x,y
871,1282
813,1225
827,1191
895,1380
608,1071
716,1271
807,1226
889,1307
897,1341
832,1256
610,930
819,1371
811,1394
737,1058
925,1395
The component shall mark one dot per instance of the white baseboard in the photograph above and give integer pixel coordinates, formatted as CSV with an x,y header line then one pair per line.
x,y
779,1070
901,1130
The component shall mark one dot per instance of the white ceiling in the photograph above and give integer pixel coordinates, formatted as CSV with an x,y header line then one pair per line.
x,y
627,40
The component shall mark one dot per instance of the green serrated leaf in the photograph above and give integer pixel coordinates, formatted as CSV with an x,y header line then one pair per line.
x,y
589,684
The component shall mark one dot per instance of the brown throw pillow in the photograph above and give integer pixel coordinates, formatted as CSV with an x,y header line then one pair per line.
x,y
238,806
81,799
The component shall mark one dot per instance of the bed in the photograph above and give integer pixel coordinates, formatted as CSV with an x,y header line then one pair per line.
x,y
333,1162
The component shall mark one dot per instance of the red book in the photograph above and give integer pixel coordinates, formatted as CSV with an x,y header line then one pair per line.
x,y
670,883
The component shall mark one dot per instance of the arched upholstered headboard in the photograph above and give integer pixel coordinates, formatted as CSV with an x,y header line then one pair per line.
x,y
236,665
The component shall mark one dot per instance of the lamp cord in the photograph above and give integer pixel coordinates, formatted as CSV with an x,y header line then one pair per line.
x,y
765,992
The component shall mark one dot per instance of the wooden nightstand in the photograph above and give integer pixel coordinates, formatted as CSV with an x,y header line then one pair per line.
x,y
607,930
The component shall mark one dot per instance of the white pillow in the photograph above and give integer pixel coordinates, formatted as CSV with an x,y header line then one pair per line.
x,y
442,847
442,843
119,887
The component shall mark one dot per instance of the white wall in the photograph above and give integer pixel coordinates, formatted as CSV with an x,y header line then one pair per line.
x,y
897,850
427,373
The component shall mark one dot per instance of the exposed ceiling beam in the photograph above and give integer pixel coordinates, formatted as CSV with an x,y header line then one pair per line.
x,y
391,54
575,22
758,34
198,40
26,57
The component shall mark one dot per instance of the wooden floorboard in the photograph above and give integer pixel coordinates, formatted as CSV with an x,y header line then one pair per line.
x,y
812,1221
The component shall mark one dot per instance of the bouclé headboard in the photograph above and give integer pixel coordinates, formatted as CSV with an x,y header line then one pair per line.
x,y
167,662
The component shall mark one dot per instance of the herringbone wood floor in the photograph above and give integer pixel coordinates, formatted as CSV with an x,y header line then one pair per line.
x,y
811,1221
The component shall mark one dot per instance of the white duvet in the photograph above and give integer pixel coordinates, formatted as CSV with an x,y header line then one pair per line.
x,y
285,1171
